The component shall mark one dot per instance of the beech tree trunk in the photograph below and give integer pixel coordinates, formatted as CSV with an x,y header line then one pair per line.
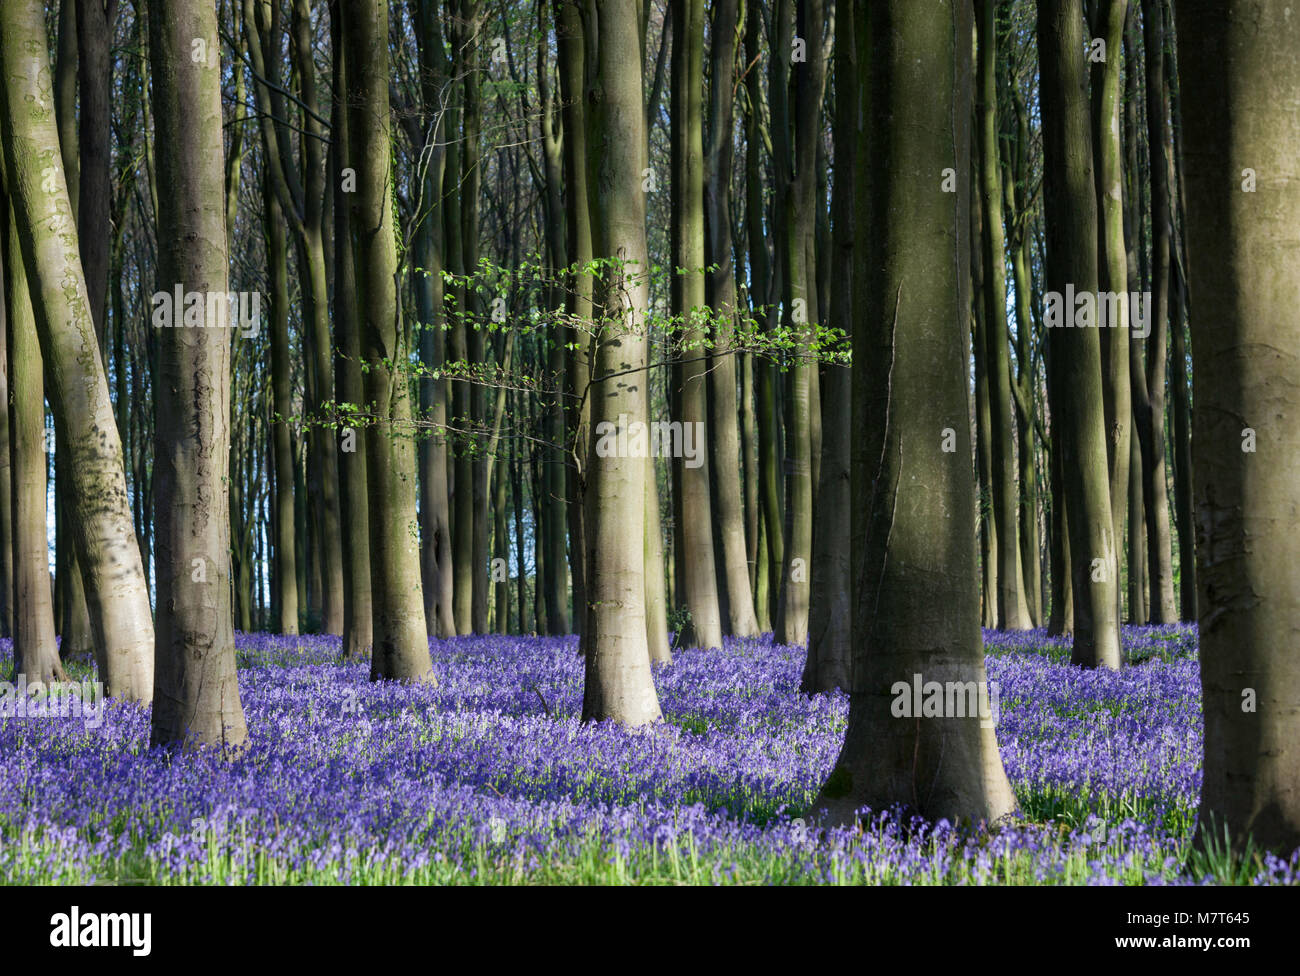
x,y
1070,212
618,683
196,693
1241,70
401,640
919,615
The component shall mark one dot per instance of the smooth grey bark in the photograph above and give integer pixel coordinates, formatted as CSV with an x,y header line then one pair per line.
x,y
693,545
401,642
618,684
916,607
196,693
725,442
1241,70
1112,256
1070,213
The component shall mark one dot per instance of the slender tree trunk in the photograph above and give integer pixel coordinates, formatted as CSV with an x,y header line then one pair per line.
x,y
94,83
796,151
694,529
285,575
1240,70
725,442
1112,257
1182,419
196,693
1012,613
6,441
462,471
764,291
1133,183
35,652
1150,407
911,355
830,647
553,529
571,57
349,387
987,511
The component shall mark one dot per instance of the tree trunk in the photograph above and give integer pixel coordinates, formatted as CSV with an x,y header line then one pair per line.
x,y
618,683
1150,403
1112,258
694,530
6,440
553,534
349,387
795,141
1012,613
285,576
196,693
1070,213
916,618
987,512
725,442
1240,71
830,646
35,652
764,291
401,641
570,58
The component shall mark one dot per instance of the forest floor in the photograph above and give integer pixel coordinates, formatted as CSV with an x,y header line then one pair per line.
x,y
491,778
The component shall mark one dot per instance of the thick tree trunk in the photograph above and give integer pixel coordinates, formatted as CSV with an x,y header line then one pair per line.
x,y
618,683
1241,71
915,619
196,693
401,642
1070,213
